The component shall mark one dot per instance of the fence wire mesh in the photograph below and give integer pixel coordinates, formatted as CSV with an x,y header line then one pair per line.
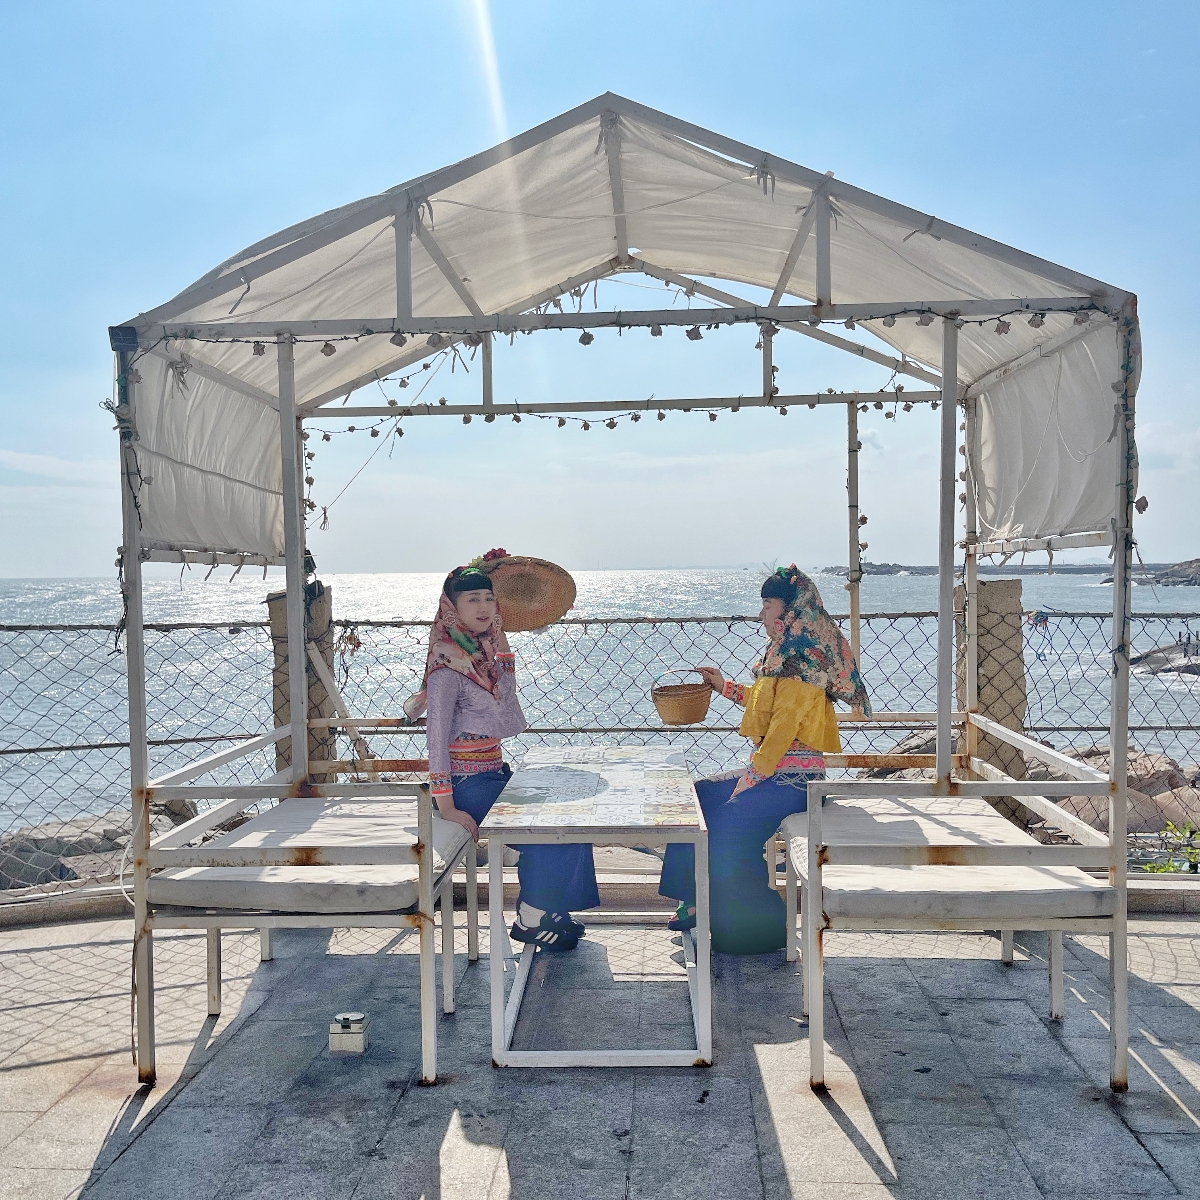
x,y
64,758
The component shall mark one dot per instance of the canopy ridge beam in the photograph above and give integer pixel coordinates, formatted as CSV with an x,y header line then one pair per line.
x,y
901,365
700,403
443,264
781,168
376,208
215,375
610,133
416,353
793,255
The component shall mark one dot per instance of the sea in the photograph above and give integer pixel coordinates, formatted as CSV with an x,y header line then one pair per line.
x,y
196,596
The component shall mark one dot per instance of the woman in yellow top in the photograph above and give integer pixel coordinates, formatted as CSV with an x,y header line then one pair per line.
x,y
790,720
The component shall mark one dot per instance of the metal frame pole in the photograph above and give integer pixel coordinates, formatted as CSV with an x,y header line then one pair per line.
x,y
486,369
945,638
293,550
971,583
854,573
139,756
767,334
1118,737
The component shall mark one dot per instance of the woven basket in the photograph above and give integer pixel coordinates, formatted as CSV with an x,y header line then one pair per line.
x,y
681,703
531,592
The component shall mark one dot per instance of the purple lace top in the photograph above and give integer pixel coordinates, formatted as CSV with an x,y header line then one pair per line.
x,y
458,705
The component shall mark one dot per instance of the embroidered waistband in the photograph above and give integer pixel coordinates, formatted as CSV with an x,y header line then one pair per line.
x,y
473,754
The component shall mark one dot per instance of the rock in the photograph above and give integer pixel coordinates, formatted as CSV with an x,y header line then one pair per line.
x,y
1183,574
1181,658
179,811
921,741
84,835
1187,800
27,867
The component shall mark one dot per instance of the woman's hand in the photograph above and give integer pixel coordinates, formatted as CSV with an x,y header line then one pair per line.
x,y
712,677
500,636
461,818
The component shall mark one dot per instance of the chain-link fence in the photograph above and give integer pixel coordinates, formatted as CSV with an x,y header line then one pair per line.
x,y
64,816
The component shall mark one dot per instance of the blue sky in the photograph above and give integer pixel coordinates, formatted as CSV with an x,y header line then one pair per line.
x,y
142,144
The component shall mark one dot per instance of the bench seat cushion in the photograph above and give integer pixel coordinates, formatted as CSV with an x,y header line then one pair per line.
x,y
935,892
314,822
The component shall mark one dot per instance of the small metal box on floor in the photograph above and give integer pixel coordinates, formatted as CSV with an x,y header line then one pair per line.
x,y
349,1033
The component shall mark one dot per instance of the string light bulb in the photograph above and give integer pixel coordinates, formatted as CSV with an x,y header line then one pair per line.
x,y
434,340
782,411
586,338
258,349
1003,327
489,418
466,418
694,334
712,416
635,417
849,323
656,331
398,431
374,432
561,422
1082,318
925,319
662,416
327,437
610,423
586,427
329,350
889,321
516,418
398,339
1037,321
402,382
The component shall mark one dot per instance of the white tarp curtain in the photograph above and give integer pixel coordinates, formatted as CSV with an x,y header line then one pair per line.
x,y
514,230
1045,452
210,463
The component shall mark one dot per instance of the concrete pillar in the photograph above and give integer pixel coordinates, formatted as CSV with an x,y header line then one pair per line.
x,y
318,625
1002,692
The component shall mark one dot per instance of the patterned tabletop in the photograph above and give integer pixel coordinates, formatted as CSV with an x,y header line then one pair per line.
x,y
627,788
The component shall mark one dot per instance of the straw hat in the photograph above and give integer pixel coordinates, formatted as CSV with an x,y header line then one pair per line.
x,y
531,592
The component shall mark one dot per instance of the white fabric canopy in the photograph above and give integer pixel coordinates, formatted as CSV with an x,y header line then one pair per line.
x,y
515,225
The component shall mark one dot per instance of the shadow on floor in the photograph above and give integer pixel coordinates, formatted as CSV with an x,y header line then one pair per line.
x,y
945,1079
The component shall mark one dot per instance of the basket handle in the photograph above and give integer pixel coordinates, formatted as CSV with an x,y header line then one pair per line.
x,y
677,671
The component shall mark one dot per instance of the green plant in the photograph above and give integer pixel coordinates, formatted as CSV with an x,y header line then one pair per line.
x,y
1182,847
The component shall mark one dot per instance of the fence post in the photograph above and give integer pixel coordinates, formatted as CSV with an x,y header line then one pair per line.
x,y
318,628
1000,691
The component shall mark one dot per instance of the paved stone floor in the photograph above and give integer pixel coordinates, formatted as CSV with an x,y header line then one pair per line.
x,y
946,1079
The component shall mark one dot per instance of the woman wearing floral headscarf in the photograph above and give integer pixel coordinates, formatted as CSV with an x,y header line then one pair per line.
x,y
790,720
470,690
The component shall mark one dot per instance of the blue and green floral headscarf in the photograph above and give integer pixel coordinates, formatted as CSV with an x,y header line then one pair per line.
x,y
812,648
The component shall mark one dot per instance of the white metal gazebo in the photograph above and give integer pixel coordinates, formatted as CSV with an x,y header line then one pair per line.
x,y
1041,361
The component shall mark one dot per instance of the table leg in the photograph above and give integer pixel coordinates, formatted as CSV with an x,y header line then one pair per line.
x,y
703,1018
497,946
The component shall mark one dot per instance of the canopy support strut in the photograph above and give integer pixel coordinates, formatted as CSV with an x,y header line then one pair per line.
x,y
806,224
945,633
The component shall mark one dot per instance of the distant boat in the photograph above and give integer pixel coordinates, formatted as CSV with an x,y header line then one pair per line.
x,y
1183,658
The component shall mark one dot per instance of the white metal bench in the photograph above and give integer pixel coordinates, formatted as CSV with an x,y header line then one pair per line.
x,y
912,862
348,862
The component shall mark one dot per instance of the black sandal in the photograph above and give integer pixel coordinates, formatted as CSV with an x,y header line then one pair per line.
x,y
545,937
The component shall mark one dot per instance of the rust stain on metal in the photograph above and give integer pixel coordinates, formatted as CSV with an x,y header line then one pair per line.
x,y
306,856
701,1062
304,788
946,856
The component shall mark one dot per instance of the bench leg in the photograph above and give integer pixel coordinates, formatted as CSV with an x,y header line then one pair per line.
x,y
1006,945
814,977
213,940
143,974
447,898
801,915
472,906
793,948
1057,1010
266,951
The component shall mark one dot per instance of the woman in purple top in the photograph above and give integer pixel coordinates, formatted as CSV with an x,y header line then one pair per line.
x,y
470,691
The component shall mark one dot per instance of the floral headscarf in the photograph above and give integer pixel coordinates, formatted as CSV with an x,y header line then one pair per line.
x,y
813,648
454,646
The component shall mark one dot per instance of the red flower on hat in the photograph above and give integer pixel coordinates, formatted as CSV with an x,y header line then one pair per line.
x,y
494,554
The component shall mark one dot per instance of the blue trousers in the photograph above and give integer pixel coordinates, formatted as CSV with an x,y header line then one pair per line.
x,y
747,913
556,878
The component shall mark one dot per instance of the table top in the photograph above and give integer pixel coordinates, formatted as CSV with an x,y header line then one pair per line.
x,y
594,788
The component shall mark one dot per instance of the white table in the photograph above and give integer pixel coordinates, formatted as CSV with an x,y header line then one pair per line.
x,y
605,795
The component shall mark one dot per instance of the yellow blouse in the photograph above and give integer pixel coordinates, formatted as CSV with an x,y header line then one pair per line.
x,y
780,711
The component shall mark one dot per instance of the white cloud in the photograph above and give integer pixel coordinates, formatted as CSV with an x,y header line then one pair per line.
x,y
86,472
